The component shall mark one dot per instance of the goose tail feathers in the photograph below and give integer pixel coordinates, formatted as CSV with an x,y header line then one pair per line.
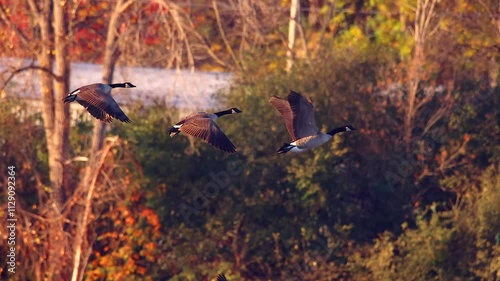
x,y
285,148
69,98
173,131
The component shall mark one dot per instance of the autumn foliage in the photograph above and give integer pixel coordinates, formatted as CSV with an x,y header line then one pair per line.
x,y
411,195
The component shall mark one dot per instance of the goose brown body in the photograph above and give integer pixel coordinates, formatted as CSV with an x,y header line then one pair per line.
x,y
298,114
202,125
97,100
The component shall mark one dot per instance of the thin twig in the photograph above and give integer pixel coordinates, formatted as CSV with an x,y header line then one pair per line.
x,y
304,41
223,34
325,25
30,67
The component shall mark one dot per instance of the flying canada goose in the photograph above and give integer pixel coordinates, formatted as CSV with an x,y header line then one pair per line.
x,y
298,113
221,277
202,125
99,103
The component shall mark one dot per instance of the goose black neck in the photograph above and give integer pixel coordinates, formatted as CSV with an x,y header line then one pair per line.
x,y
336,131
220,113
117,85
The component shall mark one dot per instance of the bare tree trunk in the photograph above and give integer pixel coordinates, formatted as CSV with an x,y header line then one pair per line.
x,y
45,61
111,54
424,13
89,183
414,73
54,112
324,26
91,172
43,21
62,70
59,140
50,25
108,69
292,26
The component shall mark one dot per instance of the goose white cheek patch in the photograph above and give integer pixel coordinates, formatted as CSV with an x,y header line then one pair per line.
x,y
178,126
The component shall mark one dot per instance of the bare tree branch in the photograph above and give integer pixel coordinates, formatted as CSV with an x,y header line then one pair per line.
x,y
223,35
294,18
304,42
424,13
26,68
94,169
177,20
325,25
